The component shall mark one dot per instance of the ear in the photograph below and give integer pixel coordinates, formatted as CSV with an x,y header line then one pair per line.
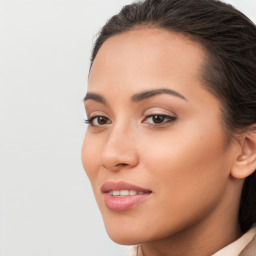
x,y
245,163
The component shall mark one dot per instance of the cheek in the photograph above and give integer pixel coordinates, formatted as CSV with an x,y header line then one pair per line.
x,y
90,157
187,172
192,151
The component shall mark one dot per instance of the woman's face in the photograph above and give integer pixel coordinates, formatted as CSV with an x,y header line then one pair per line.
x,y
155,152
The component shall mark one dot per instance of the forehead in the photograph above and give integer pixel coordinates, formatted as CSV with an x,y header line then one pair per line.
x,y
144,57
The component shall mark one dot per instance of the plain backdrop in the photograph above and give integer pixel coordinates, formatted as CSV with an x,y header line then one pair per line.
x,y
46,203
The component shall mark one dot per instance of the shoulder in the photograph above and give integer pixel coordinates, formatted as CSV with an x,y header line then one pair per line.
x,y
250,249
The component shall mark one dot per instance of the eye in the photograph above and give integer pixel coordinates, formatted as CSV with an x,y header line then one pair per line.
x,y
98,121
159,119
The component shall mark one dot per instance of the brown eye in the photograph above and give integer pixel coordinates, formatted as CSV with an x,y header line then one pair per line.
x,y
101,120
159,119
98,121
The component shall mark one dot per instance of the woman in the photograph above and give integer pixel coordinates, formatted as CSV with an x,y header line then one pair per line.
x,y
170,149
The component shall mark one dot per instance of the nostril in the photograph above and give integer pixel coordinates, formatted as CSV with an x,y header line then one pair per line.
x,y
116,166
121,164
113,160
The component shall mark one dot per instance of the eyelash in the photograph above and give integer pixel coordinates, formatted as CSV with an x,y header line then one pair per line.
x,y
167,118
90,120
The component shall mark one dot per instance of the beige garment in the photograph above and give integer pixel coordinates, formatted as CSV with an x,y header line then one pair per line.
x,y
237,246
232,249
134,250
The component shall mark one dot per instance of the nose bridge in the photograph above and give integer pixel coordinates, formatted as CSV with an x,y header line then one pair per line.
x,y
120,148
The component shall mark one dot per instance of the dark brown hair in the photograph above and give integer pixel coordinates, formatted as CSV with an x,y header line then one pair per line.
x,y
229,40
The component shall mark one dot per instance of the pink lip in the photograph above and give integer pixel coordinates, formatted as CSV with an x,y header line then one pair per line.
x,y
123,203
121,185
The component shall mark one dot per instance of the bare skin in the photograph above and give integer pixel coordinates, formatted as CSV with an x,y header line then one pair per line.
x,y
171,143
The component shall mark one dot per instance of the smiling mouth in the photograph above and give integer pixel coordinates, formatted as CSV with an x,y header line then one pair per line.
x,y
122,188
126,192
122,196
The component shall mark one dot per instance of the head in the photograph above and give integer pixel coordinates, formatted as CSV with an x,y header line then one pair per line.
x,y
172,104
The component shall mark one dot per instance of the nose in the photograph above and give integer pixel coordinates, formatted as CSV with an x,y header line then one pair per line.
x,y
120,150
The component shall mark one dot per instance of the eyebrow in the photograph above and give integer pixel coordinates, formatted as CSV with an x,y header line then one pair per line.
x,y
147,94
136,97
96,97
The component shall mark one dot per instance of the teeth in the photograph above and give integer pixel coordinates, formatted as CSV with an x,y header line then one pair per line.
x,y
124,192
133,192
116,193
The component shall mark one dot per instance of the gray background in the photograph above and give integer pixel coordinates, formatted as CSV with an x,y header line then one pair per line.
x,y
46,203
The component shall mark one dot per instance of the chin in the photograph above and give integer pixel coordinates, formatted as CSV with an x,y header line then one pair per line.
x,y
124,237
126,233
124,240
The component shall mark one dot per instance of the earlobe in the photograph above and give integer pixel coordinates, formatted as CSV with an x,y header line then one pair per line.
x,y
245,162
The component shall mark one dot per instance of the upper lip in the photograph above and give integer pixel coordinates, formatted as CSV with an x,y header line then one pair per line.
x,y
121,185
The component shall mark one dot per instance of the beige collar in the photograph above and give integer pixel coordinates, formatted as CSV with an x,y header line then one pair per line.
x,y
232,249
237,246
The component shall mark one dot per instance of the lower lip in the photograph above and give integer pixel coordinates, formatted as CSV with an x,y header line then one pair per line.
x,y
123,203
